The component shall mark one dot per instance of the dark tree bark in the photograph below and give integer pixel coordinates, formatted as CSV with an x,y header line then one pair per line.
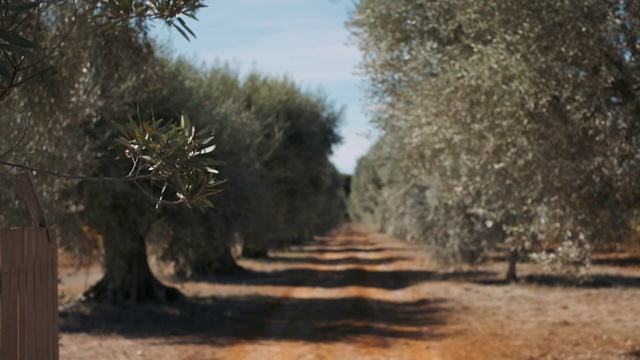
x,y
124,219
226,264
128,277
207,263
512,274
254,252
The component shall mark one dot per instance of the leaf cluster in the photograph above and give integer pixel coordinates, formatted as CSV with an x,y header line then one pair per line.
x,y
172,12
172,156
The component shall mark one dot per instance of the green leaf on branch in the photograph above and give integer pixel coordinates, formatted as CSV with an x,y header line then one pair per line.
x,y
15,49
184,25
174,154
24,7
14,39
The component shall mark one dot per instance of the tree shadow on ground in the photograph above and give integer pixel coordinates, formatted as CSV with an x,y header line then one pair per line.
x,y
332,279
618,261
594,281
224,321
345,250
504,258
341,261
615,261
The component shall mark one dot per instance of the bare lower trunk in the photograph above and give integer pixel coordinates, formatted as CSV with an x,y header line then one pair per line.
x,y
512,274
221,262
226,263
254,252
128,277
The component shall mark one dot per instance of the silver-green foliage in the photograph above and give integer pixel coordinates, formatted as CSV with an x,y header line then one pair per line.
x,y
173,157
523,116
274,140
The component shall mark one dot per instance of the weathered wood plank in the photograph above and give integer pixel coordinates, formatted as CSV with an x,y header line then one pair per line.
x,y
20,238
41,301
12,311
30,309
28,294
53,245
28,284
15,237
26,190
52,294
5,284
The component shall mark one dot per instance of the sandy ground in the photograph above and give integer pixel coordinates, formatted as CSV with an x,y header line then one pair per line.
x,y
357,295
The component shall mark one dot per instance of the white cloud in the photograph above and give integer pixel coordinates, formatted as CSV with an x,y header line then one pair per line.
x,y
303,39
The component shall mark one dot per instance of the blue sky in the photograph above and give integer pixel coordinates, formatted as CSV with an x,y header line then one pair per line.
x,y
305,40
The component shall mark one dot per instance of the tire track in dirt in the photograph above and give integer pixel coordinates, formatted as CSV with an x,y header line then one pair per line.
x,y
360,306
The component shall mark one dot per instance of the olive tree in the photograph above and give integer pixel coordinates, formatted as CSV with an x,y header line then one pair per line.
x,y
495,104
93,63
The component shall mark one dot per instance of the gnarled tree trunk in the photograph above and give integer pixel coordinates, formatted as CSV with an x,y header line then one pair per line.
x,y
124,225
512,274
128,277
253,251
226,264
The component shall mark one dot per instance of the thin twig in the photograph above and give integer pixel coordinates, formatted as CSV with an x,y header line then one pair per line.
x,y
80,177
159,201
22,137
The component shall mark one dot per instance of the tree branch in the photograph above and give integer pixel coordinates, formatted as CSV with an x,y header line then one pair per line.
x,y
80,177
22,137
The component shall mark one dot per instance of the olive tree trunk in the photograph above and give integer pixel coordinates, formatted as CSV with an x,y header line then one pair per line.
x,y
512,274
254,251
128,277
226,263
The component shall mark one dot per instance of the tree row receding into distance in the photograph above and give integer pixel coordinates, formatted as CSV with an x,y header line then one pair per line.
x,y
506,126
96,74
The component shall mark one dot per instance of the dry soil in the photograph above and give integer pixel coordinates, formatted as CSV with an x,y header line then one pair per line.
x,y
359,295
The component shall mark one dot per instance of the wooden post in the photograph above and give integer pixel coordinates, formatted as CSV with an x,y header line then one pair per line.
x,y
26,190
28,284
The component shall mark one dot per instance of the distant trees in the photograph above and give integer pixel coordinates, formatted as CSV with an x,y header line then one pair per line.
x,y
511,125
275,141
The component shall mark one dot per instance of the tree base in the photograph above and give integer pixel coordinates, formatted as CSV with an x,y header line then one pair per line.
x,y
226,264
144,291
255,253
229,269
512,274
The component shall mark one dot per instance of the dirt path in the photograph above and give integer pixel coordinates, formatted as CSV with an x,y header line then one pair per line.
x,y
356,295
358,308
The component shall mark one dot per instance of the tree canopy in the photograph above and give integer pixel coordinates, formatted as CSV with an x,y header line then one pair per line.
x,y
513,123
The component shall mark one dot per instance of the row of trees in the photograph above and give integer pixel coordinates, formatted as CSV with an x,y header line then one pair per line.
x,y
506,125
272,145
